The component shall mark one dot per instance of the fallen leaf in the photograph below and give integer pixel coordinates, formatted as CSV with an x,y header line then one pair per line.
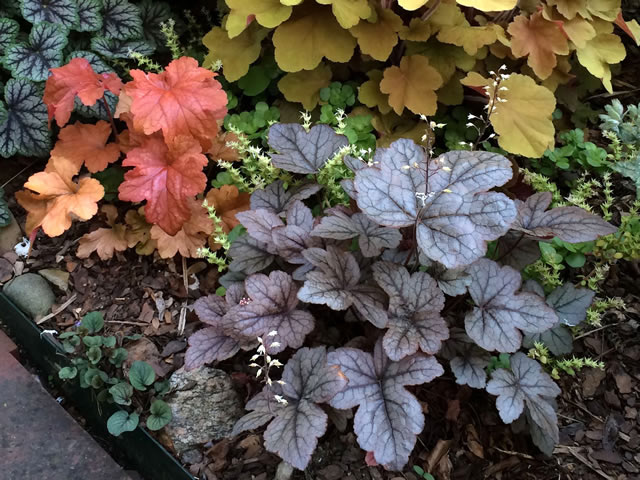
x,y
140,231
592,379
106,241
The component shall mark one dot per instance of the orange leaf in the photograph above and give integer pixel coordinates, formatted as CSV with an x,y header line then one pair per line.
x,y
166,177
190,238
105,241
76,78
220,151
58,199
540,40
87,143
185,99
227,201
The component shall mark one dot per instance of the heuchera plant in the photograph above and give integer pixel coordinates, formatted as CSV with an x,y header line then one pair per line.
x,y
168,131
415,235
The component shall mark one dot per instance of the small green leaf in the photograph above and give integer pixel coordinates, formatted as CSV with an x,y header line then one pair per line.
x,y
95,378
221,291
161,388
60,12
118,356
121,422
93,341
121,20
109,342
160,415
9,29
94,354
121,393
89,16
93,322
67,373
141,375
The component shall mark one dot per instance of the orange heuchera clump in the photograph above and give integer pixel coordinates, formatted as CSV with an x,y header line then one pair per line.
x,y
185,99
76,78
86,143
227,201
57,198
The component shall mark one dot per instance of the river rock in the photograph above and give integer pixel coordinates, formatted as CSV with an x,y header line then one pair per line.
x,y
204,406
31,293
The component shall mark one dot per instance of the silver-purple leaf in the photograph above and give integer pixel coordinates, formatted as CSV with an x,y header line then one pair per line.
x,y
518,250
415,302
304,152
570,224
276,199
249,255
500,315
389,417
455,213
335,282
525,384
294,431
272,305
468,362
259,224
452,281
372,238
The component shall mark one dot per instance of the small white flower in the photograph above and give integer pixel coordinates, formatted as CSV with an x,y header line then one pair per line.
x,y
491,72
275,363
255,357
446,169
254,365
405,167
503,89
281,382
261,349
268,359
471,116
502,67
504,76
424,137
280,399
259,372
501,100
446,190
469,125
272,333
269,381
274,345
491,136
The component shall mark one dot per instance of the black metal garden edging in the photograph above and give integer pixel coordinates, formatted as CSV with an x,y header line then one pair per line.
x,y
148,457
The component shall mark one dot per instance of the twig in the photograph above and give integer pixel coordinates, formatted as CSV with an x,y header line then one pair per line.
x,y
11,179
594,331
516,454
588,464
58,310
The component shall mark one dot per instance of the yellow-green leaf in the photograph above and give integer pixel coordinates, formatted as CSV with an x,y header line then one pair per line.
x,y
418,30
605,9
522,120
570,8
412,4
371,96
601,51
235,53
412,85
378,39
304,86
348,12
311,34
471,39
268,13
490,5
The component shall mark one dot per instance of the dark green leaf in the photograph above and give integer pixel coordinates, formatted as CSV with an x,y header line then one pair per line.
x,y
94,354
89,16
5,214
141,375
160,415
9,8
121,422
110,178
92,341
25,129
121,393
60,12
67,373
118,356
9,29
121,20
576,260
95,378
114,48
109,342
93,322
255,81
154,13
161,388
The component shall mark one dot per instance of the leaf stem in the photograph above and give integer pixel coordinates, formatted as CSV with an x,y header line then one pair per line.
x,y
110,115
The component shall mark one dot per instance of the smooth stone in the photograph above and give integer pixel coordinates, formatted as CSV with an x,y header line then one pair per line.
x,y
57,277
31,293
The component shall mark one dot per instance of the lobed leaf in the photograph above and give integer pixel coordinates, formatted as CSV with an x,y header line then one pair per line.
x,y
60,12
89,15
112,48
121,20
275,198
9,30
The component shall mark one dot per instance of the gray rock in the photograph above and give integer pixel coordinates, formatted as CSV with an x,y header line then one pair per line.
x,y
9,236
31,293
204,406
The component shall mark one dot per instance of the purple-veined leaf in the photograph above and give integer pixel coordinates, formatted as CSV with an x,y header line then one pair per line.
x,y
455,214
452,281
570,224
525,384
277,200
389,417
300,215
372,238
518,250
300,151
335,282
260,224
467,361
500,314
249,256
415,302
272,305
296,426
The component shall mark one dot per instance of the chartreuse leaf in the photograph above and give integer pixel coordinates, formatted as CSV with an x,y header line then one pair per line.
x,y
33,60
501,314
89,15
67,373
523,118
268,13
349,12
526,385
599,53
304,86
488,5
160,415
60,12
389,418
9,29
470,38
141,375
455,214
378,39
153,14
121,20
412,85
121,422
570,224
310,35
371,96
297,424
24,129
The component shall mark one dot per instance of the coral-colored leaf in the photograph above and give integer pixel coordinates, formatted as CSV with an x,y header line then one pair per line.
x,y
378,39
106,241
191,237
311,34
220,149
86,143
76,78
539,40
304,86
183,100
166,177
58,199
412,85
599,53
236,53
227,201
